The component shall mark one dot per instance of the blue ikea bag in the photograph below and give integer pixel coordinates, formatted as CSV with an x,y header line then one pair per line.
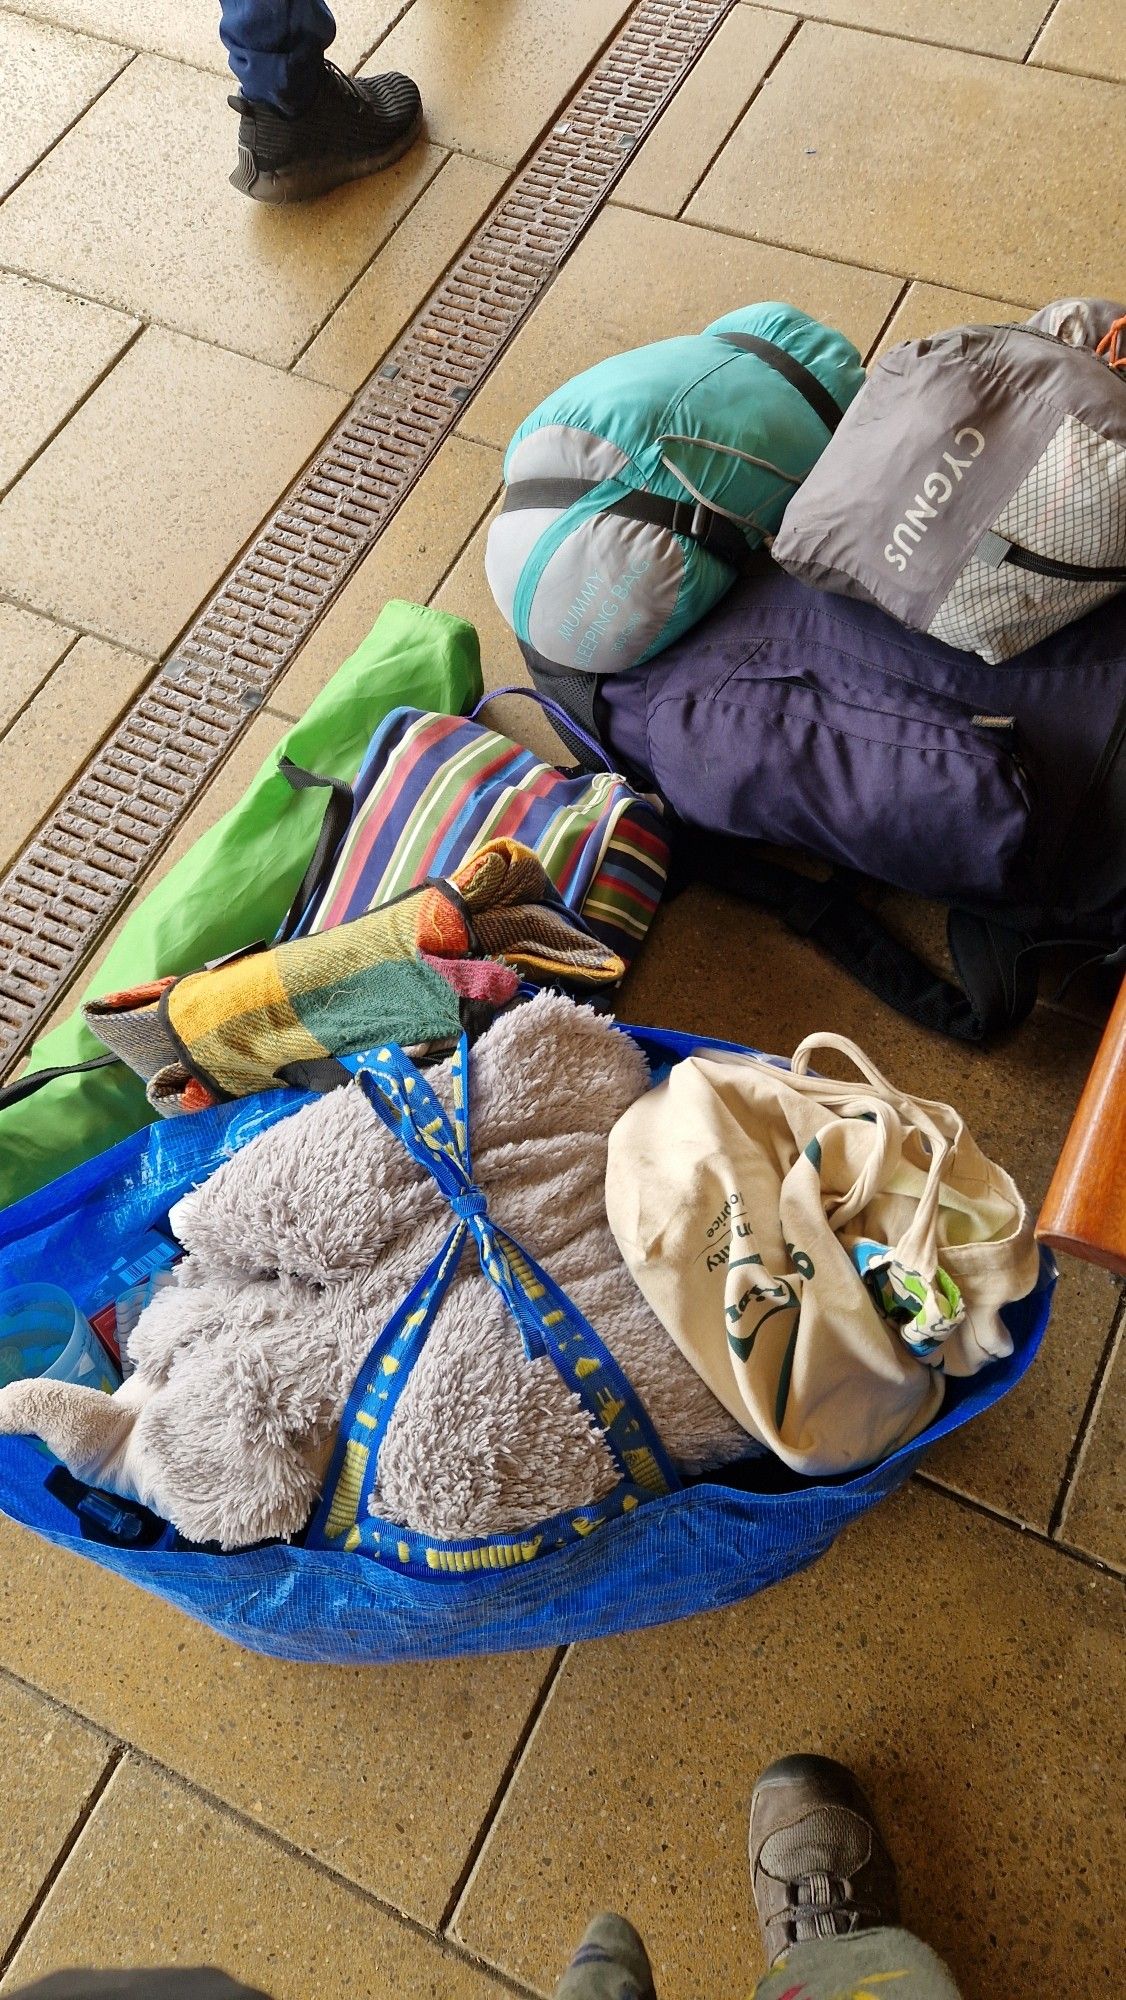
x,y
662,1554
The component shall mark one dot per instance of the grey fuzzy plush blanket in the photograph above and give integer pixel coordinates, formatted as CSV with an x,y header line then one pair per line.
x,y
300,1248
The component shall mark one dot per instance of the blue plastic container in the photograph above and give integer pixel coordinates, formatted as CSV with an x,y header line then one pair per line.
x,y
42,1332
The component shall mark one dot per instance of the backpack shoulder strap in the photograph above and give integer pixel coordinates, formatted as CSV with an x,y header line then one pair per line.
x,y
1090,870
996,966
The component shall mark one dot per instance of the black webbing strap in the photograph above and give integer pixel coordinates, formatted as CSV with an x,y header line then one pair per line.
x,y
793,371
320,1074
338,815
556,494
713,532
996,965
26,1086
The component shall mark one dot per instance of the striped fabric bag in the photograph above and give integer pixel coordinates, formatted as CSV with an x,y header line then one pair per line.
x,y
434,787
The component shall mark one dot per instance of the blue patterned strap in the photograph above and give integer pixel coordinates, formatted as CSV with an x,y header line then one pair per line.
x,y
591,1372
402,1097
548,1321
346,1496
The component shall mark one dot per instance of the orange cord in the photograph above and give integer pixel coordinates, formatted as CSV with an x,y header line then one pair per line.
x,y
1111,345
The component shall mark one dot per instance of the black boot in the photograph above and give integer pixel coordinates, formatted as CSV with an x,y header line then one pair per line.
x,y
354,126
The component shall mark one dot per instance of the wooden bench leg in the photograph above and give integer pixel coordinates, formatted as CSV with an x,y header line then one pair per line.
x,y
1084,1211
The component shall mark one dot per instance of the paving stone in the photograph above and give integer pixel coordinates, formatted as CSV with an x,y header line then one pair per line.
x,y
1095,1518
691,130
52,350
131,515
1014,1458
967,1672
1085,36
603,301
720,968
76,706
408,561
51,1765
197,255
491,77
29,648
388,295
47,79
969,1677
930,309
996,27
385,1774
162,1877
804,168
189,29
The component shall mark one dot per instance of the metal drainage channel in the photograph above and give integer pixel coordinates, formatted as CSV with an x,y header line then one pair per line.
x,y
66,886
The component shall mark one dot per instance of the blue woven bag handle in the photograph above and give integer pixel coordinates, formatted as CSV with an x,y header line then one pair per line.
x,y
548,1323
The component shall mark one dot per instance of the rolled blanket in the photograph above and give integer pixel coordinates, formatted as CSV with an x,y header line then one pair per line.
x,y
399,973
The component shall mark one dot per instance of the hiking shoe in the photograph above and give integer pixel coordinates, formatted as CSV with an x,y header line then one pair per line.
x,y
354,126
819,1867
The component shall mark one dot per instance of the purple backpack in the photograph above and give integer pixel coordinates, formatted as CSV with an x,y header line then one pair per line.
x,y
815,722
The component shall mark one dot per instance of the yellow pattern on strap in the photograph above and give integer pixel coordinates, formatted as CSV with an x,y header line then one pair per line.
x,y
346,1499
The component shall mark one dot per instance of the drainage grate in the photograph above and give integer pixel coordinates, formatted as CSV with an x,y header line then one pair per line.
x,y
65,888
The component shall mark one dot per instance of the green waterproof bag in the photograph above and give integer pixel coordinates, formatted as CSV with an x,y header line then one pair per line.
x,y
234,886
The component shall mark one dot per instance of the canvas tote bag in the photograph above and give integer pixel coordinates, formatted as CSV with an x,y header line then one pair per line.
x,y
821,1252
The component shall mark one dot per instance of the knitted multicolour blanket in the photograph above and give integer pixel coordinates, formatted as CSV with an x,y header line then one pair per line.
x,y
407,972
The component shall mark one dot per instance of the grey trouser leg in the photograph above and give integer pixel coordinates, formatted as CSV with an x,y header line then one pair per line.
x,y
611,1964
835,1968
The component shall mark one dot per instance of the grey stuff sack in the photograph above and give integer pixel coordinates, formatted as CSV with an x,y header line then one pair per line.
x,y
976,487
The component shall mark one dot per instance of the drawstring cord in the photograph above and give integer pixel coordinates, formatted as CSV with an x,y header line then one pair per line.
x,y
1112,345
728,451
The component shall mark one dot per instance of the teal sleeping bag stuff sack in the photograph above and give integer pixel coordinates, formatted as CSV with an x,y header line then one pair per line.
x,y
640,489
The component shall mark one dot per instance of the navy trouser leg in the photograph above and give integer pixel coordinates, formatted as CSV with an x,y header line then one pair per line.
x,y
276,48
